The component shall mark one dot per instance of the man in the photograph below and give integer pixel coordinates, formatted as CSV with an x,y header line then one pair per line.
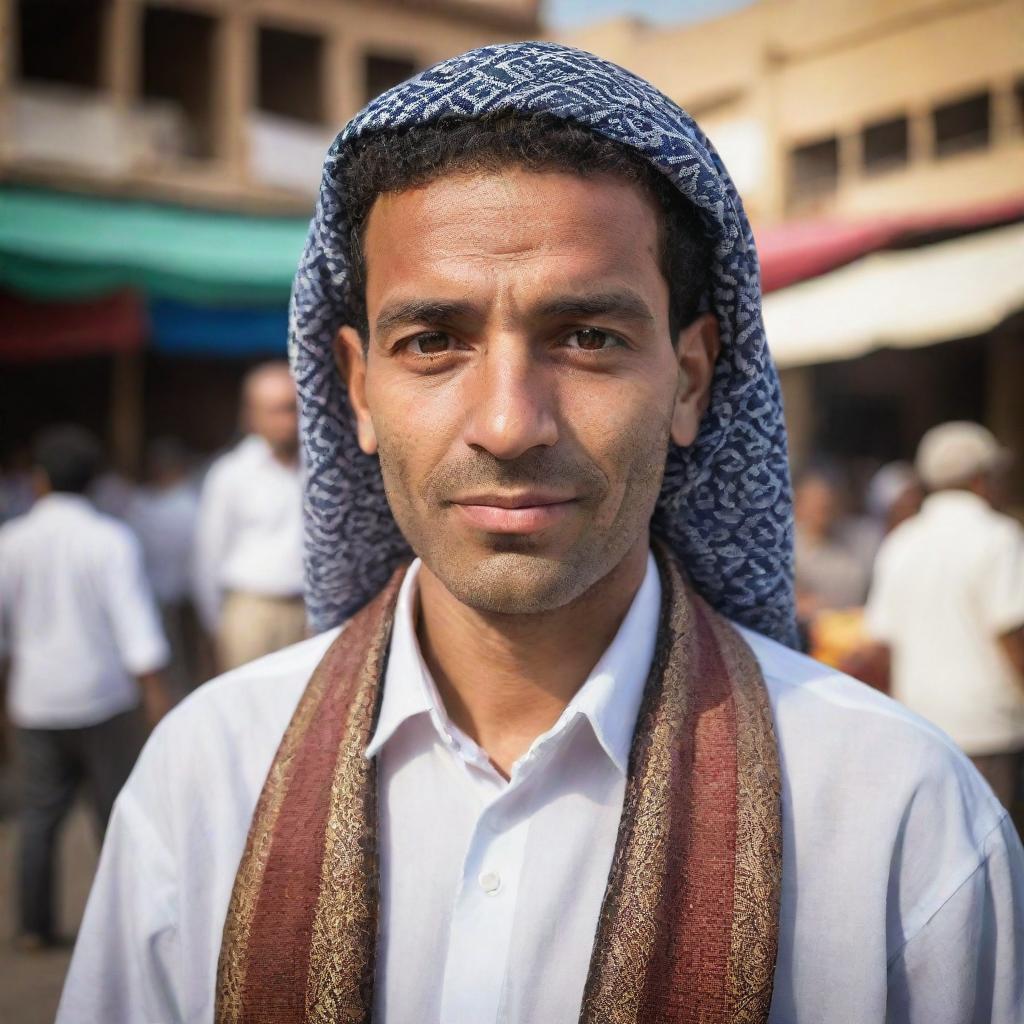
x,y
832,562
537,778
78,623
163,515
248,553
948,602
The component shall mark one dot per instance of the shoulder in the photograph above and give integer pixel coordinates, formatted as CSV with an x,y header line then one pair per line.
x,y
108,535
900,538
1005,531
232,462
853,750
238,718
14,529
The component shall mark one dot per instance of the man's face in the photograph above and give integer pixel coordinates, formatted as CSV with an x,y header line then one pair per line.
x,y
520,383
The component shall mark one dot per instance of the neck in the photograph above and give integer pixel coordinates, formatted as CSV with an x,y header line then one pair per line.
x,y
534,663
286,456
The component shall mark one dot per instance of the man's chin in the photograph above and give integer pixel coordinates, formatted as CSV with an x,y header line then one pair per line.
x,y
514,578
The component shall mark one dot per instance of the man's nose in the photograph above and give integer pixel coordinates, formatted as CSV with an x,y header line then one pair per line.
x,y
511,402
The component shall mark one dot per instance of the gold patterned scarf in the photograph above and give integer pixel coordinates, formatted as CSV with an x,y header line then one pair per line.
x,y
689,924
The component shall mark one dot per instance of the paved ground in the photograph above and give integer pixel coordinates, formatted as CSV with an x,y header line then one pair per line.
x,y
30,984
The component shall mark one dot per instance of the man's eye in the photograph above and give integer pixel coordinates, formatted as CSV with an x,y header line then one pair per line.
x,y
591,339
431,344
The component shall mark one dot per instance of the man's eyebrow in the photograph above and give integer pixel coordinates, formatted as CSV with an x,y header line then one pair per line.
x,y
624,305
420,311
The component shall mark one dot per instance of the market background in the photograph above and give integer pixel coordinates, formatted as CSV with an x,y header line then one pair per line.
x,y
159,161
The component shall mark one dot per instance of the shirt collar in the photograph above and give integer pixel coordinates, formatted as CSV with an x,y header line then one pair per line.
x,y
61,499
966,501
609,698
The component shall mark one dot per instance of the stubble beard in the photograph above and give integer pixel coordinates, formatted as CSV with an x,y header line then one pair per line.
x,y
520,574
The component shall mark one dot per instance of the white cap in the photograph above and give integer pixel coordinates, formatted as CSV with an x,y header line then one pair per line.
x,y
954,453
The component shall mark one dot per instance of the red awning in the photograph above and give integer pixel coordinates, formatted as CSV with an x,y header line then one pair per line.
x,y
37,331
803,249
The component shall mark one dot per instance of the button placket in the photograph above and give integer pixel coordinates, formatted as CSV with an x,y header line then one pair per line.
x,y
483,916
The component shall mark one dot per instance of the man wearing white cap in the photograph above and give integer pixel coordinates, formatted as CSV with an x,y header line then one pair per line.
x,y
948,601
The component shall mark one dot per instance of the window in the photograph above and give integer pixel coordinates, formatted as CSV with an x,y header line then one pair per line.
x,y
813,171
291,75
962,125
60,41
886,145
382,72
178,70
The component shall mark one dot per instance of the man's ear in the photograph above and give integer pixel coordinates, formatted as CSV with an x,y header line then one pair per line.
x,y
697,349
350,358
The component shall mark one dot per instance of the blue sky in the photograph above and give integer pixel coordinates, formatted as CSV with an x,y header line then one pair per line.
x,y
573,13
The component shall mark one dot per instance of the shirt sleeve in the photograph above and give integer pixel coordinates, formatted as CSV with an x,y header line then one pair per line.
x,y
213,530
966,964
132,609
124,967
1004,584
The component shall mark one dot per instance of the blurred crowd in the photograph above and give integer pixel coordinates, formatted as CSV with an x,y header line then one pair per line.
x,y
118,597
920,592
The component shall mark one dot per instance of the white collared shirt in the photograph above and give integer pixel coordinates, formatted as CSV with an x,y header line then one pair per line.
x,y
249,536
948,583
502,849
77,613
903,880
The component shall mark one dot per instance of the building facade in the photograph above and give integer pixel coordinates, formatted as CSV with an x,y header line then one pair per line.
x,y
228,103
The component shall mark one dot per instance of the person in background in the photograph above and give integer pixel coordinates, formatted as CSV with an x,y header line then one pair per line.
x,y
837,636
163,515
247,568
948,603
831,564
16,495
894,495
81,632
112,492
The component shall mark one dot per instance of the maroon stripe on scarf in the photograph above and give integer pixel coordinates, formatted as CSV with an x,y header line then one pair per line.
x,y
687,978
279,948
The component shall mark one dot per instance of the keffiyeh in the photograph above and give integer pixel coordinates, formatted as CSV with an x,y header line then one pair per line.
x,y
725,506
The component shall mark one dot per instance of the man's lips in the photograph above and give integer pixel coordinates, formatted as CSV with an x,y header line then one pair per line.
x,y
519,513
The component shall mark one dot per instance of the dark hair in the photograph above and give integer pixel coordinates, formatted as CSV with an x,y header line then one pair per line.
x,y
399,160
70,457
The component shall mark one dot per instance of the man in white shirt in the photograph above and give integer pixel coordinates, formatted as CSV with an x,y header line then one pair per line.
x,y
163,515
948,602
247,566
81,632
537,777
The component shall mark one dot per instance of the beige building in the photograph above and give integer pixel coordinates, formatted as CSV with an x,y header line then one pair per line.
x,y
847,107
230,103
856,113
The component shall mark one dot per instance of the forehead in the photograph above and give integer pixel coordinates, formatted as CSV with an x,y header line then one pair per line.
x,y
534,224
270,387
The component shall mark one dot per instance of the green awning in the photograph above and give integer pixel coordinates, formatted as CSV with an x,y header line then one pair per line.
x,y
58,246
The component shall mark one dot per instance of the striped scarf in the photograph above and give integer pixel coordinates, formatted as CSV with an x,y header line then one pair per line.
x,y
689,924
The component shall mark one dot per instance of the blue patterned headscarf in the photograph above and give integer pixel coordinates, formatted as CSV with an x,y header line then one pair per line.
x,y
725,505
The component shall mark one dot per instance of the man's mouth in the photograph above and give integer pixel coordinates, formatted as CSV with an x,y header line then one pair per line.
x,y
523,512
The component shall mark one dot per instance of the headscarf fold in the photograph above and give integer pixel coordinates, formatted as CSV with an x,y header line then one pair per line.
x,y
725,506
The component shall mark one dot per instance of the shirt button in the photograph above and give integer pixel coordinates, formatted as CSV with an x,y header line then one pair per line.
x,y
490,882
